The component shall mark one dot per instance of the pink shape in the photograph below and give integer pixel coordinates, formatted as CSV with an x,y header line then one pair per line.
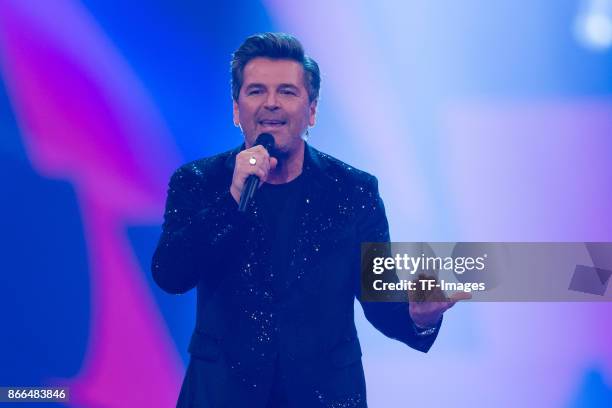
x,y
97,129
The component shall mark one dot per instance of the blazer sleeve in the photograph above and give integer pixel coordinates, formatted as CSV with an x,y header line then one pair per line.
x,y
392,318
197,228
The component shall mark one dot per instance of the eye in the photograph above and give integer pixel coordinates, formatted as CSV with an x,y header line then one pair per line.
x,y
288,92
254,92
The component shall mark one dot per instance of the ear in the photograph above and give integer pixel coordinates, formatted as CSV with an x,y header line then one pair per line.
x,y
236,114
313,113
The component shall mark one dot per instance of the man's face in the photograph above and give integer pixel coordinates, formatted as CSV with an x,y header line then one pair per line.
x,y
273,100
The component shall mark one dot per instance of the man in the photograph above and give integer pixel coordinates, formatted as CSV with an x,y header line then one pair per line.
x,y
276,284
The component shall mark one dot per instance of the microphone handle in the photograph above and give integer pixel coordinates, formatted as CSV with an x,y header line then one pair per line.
x,y
250,186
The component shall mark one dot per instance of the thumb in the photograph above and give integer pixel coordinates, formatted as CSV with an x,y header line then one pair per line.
x,y
273,163
455,297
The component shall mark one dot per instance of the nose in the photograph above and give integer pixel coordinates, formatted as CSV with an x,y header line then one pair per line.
x,y
271,102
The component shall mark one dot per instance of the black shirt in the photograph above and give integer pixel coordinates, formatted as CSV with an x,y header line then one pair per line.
x,y
279,205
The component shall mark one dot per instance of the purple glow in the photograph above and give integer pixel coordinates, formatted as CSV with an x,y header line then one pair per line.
x,y
85,118
531,171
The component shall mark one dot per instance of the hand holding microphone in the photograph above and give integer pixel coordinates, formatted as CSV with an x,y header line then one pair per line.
x,y
251,170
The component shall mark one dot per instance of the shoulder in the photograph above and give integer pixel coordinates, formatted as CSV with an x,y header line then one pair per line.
x,y
356,193
208,164
203,174
344,174
205,167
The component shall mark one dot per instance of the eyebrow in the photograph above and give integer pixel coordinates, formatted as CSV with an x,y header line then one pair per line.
x,y
259,85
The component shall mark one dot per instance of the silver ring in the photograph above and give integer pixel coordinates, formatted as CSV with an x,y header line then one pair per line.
x,y
252,161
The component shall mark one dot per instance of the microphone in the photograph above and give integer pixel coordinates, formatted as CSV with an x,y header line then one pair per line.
x,y
250,185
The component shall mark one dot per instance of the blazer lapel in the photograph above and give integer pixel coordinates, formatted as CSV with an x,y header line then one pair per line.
x,y
315,217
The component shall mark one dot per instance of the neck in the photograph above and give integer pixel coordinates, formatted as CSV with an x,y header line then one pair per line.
x,y
289,167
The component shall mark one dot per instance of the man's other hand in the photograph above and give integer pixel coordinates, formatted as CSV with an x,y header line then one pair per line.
x,y
428,306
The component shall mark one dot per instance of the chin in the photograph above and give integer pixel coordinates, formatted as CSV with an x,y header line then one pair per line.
x,y
293,144
284,144
281,152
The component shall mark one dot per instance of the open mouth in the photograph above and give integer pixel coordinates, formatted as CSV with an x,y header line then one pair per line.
x,y
271,123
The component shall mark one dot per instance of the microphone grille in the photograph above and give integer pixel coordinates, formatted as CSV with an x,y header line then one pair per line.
x,y
266,140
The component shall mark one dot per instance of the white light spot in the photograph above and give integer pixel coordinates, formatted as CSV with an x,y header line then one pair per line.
x,y
594,30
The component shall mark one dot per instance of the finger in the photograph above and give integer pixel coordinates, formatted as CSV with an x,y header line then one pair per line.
x,y
262,173
253,149
263,159
435,295
260,150
273,163
259,173
260,160
265,163
248,168
457,296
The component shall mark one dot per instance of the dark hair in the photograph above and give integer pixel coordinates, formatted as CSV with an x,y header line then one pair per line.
x,y
274,46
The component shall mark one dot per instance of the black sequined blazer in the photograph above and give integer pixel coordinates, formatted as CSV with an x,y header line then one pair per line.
x,y
247,335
